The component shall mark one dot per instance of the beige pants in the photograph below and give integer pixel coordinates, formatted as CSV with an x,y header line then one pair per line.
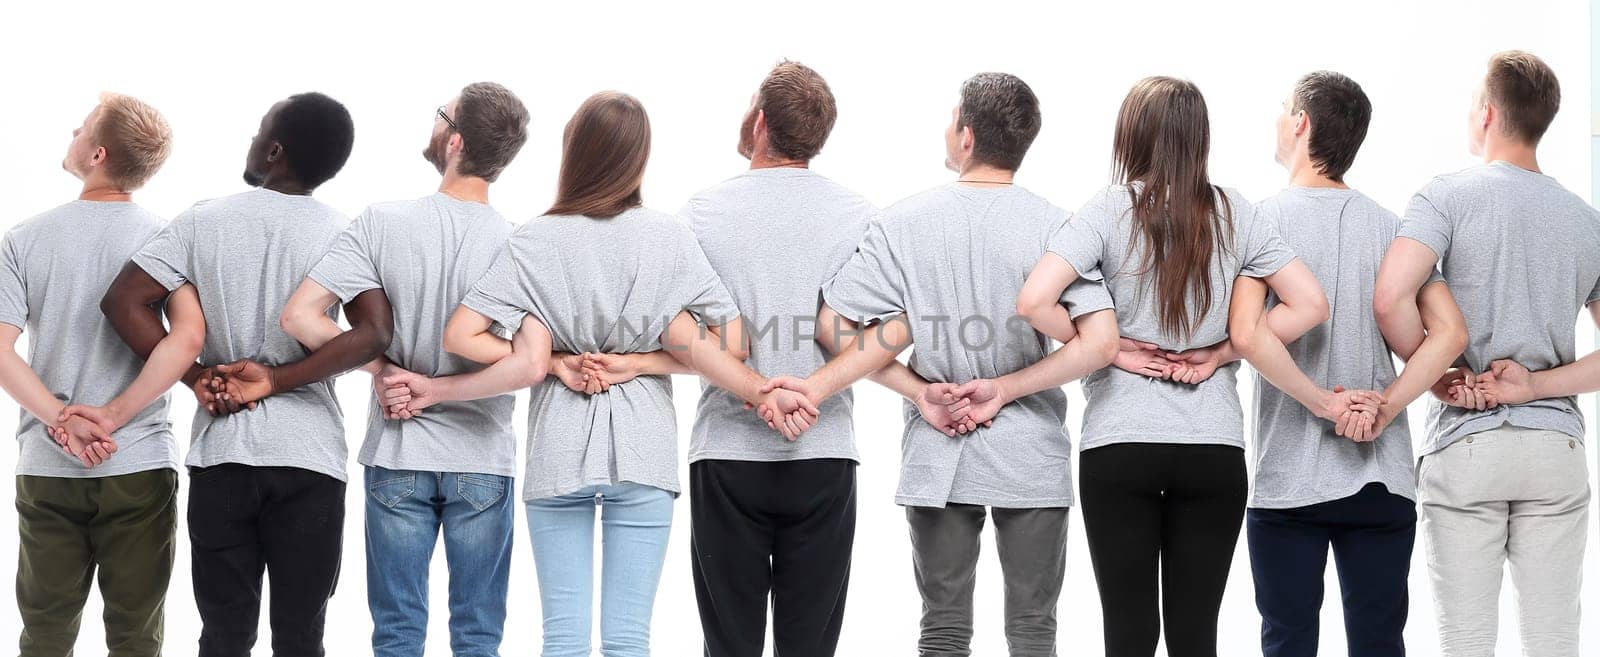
x,y
1507,494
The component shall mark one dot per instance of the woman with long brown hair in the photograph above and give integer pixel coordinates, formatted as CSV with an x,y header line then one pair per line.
x,y
1162,471
598,273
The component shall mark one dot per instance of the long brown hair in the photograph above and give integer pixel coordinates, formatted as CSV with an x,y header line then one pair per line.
x,y
603,153
1162,142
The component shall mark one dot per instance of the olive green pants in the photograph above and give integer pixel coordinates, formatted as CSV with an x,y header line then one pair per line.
x,y
124,528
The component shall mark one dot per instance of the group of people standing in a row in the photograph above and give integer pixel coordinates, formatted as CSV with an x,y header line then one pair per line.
x,y
781,288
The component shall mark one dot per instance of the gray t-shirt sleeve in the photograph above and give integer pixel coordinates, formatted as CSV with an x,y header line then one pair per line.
x,y
1086,295
347,269
1082,239
1264,251
698,287
1425,220
869,288
13,292
166,256
501,294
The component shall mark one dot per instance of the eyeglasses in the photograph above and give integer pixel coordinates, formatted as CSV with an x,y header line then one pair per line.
x,y
449,121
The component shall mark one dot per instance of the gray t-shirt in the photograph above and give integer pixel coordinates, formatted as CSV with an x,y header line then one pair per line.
x,y
809,227
53,270
1128,408
425,254
246,254
1520,255
1299,459
603,285
953,259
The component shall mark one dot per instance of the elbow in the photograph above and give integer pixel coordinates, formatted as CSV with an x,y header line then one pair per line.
x,y
1387,302
535,367
1455,338
376,341
453,342
291,320
1243,339
1030,309
190,340
1320,310
740,352
1104,348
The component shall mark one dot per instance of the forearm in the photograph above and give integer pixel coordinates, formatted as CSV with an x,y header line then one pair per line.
x,y
705,356
899,378
1271,360
1401,327
1053,320
873,350
172,360
351,349
24,385
1575,378
484,347
509,374
1072,361
657,363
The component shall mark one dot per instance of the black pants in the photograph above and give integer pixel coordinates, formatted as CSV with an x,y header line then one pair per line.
x,y
1371,533
244,520
783,529
1162,511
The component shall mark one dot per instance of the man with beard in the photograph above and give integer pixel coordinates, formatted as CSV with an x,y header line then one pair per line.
x,y
450,468
267,475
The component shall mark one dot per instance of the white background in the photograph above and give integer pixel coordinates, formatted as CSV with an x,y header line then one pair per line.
x,y
213,68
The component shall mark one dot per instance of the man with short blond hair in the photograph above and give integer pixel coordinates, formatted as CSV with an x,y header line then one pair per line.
x,y
1503,476
102,504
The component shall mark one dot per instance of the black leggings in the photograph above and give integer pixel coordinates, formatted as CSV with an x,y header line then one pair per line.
x,y
1178,507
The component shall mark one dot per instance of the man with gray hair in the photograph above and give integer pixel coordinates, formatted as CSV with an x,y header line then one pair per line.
x,y
449,469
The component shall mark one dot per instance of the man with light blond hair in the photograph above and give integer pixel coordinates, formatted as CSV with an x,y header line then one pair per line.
x,y
100,504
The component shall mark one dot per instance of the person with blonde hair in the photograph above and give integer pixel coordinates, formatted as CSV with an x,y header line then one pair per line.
x,y
102,504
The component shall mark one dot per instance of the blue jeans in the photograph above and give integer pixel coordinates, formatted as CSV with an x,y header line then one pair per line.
x,y
405,511
636,521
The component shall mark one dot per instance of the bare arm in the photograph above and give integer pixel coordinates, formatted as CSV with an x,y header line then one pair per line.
x,y
1405,269
172,357
833,328
131,305
1445,338
305,318
524,367
1575,378
1252,337
1092,349
467,335
703,352
22,383
1039,301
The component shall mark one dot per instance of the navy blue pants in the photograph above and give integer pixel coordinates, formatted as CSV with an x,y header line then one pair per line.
x,y
1371,533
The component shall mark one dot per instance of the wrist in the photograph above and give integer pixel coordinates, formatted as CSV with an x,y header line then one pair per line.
x,y
117,411
273,376
1538,386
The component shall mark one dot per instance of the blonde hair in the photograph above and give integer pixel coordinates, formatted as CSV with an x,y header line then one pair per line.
x,y
136,137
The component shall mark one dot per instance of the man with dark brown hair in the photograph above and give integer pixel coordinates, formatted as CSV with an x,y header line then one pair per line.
x,y
773,518
448,470
1503,476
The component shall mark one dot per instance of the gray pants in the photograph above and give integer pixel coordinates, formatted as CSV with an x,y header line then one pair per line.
x,y
1032,545
1507,494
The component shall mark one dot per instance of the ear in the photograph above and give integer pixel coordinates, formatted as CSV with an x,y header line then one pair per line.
x,y
99,156
760,126
967,140
1491,115
456,143
274,152
1302,123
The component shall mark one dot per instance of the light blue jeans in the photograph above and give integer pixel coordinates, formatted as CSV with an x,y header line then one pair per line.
x,y
405,512
636,521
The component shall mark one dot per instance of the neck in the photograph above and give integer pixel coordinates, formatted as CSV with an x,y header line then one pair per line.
x,y
283,184
1305,174
761,160
977,175
1516,153
101,192
465,188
